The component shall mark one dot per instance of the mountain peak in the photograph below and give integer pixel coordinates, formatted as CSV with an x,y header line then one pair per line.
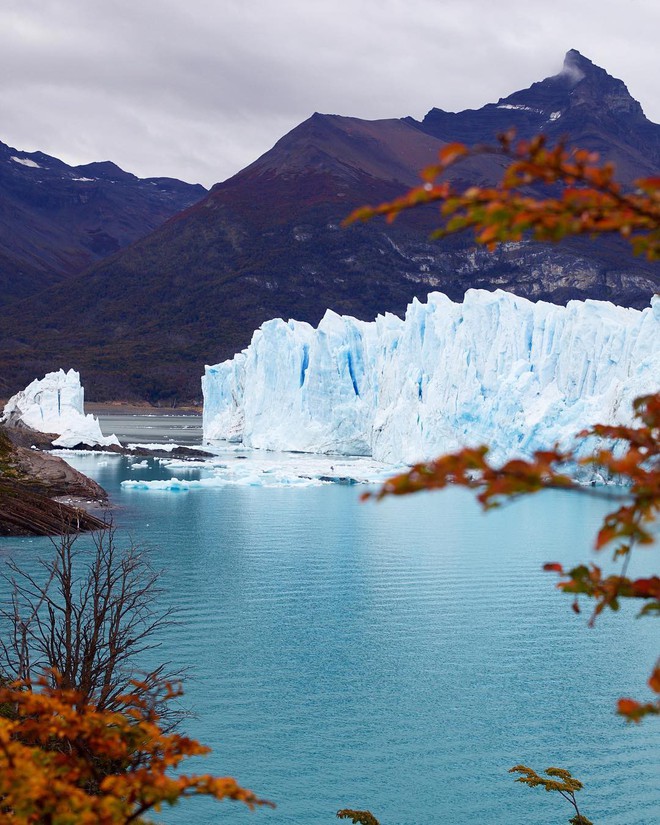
x,y
582,101
105,169
347,147
581,88
576,67
591,85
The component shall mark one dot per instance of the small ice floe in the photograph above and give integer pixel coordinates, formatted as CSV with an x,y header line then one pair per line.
x,y
64,453
176,465
178,485
258,468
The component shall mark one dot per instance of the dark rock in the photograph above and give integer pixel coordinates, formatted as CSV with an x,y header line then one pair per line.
x,y
29,482
25,512
178,452
52,476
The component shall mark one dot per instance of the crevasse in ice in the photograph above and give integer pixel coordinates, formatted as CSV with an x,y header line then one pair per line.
x,y
494,369
55,404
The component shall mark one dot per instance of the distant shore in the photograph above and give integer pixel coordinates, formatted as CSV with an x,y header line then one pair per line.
x,y
131,408
136,408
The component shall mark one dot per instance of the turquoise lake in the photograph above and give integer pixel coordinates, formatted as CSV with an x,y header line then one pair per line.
x,y
398,657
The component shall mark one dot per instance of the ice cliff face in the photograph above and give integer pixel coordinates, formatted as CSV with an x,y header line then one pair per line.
x,y
495,369
55,404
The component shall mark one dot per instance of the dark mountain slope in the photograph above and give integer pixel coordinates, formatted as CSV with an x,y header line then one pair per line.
x,y
268,242
583,102
56,220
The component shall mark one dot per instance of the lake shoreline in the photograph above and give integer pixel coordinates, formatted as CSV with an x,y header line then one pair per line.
x,y
138,408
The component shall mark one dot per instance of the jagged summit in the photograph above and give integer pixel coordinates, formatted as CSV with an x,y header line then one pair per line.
x,y
582,101
576,67
579,83
588,82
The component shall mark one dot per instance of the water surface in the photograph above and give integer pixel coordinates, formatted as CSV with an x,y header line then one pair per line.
x,y
397,656
184,429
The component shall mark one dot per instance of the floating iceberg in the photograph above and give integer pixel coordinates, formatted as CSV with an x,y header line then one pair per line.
x,y
55,404
494,369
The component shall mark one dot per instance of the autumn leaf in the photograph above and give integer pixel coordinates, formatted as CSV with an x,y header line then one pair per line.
x,y
452,152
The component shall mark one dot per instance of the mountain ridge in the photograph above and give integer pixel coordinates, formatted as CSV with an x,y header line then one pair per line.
x,y
56,220
267,243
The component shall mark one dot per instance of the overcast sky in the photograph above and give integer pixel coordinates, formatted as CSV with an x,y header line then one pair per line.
x,y
197,89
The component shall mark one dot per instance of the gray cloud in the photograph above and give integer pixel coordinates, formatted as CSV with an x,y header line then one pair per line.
x,y
198,91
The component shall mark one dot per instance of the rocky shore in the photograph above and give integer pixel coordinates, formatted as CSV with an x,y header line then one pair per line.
x,y
31,483
41,494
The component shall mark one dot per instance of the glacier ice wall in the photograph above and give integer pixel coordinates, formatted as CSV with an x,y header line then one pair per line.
x,y
55,404
494,369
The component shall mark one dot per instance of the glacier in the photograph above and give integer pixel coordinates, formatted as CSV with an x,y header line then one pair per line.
x,y
55,404
495,368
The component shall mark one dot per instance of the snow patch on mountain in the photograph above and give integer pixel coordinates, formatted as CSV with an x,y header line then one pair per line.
x,y
55,404
494,369
519,106
26,162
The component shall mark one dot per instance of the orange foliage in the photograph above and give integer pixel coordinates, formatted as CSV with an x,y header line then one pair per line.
x,y
557,779
62,761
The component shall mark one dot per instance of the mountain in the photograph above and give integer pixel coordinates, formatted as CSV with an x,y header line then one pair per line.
x,y
268,243
56,220
583,101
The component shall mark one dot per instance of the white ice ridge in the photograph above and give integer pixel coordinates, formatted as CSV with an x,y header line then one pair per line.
x,y
55,404
495,369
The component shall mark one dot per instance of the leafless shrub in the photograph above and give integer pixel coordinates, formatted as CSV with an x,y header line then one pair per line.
x,y
86,621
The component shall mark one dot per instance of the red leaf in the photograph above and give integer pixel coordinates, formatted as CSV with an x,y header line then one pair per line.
x,y
646,588
627,707
654,681
451,152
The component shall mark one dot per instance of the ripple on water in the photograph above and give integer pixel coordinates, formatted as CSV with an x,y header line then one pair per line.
x,y
399,657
